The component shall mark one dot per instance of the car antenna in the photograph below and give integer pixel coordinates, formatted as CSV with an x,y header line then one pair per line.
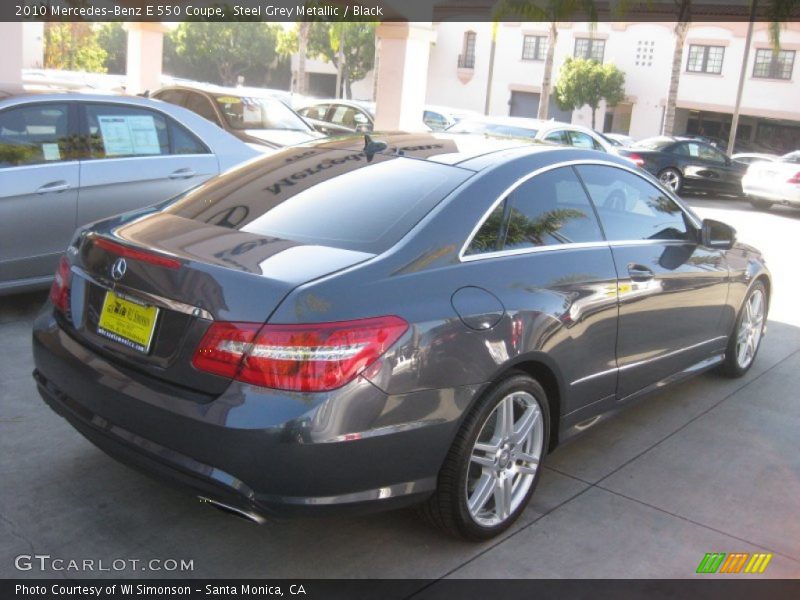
x,y
371,147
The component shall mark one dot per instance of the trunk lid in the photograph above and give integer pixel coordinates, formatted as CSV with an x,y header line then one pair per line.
x,y
217,273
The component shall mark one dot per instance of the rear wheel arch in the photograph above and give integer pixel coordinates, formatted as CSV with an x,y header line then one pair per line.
x,y
542,369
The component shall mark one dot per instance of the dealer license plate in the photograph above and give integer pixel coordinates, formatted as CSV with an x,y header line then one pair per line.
x,y
128,323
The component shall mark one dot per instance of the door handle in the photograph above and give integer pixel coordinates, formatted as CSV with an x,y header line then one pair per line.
x,y
639,272
182,174
53,186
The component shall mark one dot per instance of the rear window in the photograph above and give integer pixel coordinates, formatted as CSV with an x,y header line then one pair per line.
x,y
332,198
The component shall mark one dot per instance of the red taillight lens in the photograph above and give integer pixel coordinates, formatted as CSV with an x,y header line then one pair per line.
x,y
636,159
134,254
795,178
59,291
305,358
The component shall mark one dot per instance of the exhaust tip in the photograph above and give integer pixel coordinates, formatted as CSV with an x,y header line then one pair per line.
x,y
247,515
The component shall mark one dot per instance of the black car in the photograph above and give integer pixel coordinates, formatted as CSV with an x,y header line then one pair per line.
x,y
351,325
687,163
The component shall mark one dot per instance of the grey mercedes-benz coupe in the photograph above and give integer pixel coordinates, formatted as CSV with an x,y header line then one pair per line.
x,y
361,324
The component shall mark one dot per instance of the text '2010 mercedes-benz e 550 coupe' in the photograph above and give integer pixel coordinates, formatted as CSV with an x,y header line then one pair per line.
x,y
351,325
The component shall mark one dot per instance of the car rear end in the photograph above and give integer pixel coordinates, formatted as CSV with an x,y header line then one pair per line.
x,y
777,182
157,345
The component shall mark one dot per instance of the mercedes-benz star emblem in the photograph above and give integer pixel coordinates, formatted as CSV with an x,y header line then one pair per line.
x,y
118,269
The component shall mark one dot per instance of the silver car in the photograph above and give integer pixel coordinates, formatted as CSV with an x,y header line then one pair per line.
x,y
67,159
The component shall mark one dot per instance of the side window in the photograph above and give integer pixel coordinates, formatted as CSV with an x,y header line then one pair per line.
x,y
185,142
549,209
35,134
344,115
116,130
171,96
315,112
557,137
711,154
201,105
578,139
487,239
680,150
632,208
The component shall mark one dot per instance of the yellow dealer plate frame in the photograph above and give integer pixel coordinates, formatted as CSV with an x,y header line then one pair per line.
x,y
126,322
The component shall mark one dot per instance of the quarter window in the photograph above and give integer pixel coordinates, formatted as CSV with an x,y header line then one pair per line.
x,y
705,59
35,134
534,47
773,65
632,208
550,209
589,48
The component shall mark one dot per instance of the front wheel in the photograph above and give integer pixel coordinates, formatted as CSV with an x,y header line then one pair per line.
x,y
745,340
671,178
494,463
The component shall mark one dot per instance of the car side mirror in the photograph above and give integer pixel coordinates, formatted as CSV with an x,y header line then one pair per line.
x,y
715,234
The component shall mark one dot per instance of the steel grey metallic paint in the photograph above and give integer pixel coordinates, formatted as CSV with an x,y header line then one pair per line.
x,y
560,313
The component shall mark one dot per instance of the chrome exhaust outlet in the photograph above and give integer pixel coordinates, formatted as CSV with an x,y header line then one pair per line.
x,y
236,512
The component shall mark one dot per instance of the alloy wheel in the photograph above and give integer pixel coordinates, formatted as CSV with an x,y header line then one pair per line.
x,y
750,329
504,459
671,179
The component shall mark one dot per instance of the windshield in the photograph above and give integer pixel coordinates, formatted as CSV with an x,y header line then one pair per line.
x,y
656,143
249,112
792,157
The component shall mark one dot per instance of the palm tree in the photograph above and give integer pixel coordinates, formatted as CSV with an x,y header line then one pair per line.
x,y
302,50
550,11
684,13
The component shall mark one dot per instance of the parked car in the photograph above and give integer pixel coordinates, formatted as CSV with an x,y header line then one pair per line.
x,y
619,139
439,118
681,162
67,159
749,158
774,182
416,320
554,132
259,119
337,117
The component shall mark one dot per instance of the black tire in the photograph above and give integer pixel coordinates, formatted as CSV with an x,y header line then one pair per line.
x,y
730,367
447,509
674,175
761,204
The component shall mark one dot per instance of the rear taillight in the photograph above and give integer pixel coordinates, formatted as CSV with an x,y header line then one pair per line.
x,y
794,179
305,358
636,159
135,254
59,291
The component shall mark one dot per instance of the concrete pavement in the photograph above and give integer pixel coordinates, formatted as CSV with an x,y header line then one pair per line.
x,y
712,465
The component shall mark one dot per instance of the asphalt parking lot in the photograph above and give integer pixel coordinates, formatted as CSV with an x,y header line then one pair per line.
x,y
712,465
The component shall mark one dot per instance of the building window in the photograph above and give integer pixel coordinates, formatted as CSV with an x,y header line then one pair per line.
x,y
467,58
644,53
590,49
705,59
534,47
773,65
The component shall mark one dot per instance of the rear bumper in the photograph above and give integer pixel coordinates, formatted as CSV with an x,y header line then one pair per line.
x,y
275,454
778,193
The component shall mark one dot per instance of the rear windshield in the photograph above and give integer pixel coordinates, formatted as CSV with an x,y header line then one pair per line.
x,y
466,126
330,198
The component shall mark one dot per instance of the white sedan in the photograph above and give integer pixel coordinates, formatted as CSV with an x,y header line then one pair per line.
x,y
778,182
